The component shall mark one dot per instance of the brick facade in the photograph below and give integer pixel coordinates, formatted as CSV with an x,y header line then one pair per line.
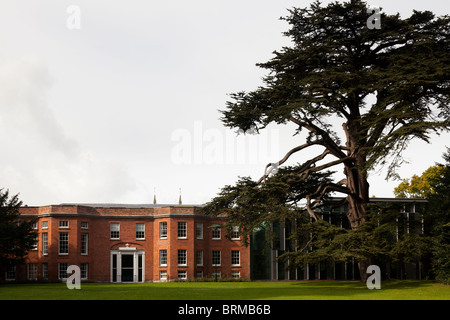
x,y
82,235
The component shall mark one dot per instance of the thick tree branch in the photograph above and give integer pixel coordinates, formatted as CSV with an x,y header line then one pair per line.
x,y
326,141
285,158
306,172
323,188
308,208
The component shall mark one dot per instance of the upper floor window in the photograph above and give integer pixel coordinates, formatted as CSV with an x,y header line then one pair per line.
x,y
63,247
84,243
63,224
44,224
44,243
199,230
34,246
115,230
84,225
235,233
182,230
216,231
163,230
140,231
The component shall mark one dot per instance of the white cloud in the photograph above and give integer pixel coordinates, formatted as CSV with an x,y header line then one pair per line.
x,y
39,160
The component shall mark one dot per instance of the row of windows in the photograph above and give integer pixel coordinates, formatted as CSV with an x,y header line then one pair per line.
x,y
63,243
216,258
32,271
63,249
181,231
140,229
62,224
182,274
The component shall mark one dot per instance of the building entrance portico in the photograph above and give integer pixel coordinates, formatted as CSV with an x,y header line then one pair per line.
x,y
127,264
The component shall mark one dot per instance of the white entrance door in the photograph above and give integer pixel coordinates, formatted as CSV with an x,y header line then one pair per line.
x,y
127,265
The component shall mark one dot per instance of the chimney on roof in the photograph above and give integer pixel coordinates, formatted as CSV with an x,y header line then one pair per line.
x,y
179,199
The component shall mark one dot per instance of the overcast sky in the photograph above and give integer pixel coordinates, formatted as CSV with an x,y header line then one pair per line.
x,y
111,101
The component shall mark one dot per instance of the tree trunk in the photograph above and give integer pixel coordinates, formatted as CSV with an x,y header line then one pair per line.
x,y
357,204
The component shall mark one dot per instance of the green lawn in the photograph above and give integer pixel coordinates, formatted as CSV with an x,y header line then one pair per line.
x,y
289,290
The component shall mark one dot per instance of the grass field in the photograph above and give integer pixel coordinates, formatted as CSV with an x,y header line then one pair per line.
x,y
289,290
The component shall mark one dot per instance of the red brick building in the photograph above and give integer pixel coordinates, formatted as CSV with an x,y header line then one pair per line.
x,y
131,243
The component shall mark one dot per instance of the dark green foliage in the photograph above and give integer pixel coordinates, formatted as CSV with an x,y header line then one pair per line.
x,y
16,235
439,214
380,238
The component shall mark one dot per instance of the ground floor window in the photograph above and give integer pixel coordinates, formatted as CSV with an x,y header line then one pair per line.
x,y
62,270
45,271
182,274
84,271
10,273
32,271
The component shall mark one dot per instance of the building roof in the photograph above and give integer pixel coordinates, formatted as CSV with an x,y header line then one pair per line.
x,y
128,205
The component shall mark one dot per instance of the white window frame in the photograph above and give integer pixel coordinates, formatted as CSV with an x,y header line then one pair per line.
x,y
141,225
182,230
214,256
34,247
163,230
10,273
84,268
111,230
45,271
180,275
181,251
63,224
62,268
84,224
32,271
235,233
163,258
235,259
44,243
84,237
216,232
60,241
162,274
